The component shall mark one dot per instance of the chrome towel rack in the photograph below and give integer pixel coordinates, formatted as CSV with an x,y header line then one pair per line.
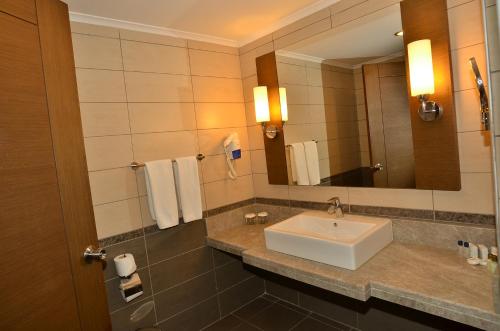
x,y
136,165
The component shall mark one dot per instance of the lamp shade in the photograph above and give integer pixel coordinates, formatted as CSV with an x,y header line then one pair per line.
x,y
283,104
261,104
420,63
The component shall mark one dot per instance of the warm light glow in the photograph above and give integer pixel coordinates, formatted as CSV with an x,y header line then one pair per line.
x,y
261,104
283,104
421,72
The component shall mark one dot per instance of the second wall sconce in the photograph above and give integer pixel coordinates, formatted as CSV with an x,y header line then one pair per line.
x,y
262,113
422,79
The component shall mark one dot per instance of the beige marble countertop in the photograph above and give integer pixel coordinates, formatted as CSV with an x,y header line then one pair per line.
x,y
436,281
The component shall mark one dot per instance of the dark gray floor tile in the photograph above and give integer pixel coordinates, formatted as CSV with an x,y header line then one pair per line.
x,y
251,309
221,258
332,323
115,299
269,297
184,296
193,319
277,286
241,294
136,247
231,274
170,242
245,327
227,323
293,307
176,270
331,305
276,318
121,320
310,324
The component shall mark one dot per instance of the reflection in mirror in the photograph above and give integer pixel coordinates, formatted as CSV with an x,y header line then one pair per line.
x,y
346,89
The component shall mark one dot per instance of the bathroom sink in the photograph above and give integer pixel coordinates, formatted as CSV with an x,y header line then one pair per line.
x,y
346,242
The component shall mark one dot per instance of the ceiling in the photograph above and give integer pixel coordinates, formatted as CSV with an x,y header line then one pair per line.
x,y
236,21
364,39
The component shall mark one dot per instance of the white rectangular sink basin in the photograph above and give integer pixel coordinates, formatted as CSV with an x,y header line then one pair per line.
x,y
346,242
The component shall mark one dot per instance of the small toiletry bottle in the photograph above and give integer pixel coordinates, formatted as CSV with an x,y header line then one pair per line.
x,y
483,254
466,252
492,263
474,251
460,248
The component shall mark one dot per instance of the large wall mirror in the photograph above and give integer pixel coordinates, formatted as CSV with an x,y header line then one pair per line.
x,y
349,108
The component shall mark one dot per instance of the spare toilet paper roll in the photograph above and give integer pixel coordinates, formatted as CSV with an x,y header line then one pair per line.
x,y
125,265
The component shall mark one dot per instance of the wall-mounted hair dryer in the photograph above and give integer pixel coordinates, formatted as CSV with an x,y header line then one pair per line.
x,y
483,97
232,148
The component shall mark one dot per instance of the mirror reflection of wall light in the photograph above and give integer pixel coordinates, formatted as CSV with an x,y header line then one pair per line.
x,y
283,104
262,114
422,79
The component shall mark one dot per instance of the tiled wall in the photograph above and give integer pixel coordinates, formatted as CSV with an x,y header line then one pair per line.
x,y
492,25
467,39
322,106
145,97
190,284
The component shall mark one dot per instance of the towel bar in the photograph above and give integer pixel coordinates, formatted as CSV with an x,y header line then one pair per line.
x,y
312,140
135,165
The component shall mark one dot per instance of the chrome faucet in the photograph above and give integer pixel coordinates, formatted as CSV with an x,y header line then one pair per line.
x,y
335,207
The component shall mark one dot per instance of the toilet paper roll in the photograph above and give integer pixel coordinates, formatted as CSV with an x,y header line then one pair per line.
x,y
125,265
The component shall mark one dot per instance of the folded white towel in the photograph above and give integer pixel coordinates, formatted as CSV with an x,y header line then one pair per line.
x,y
312,160
162,198
298,163
188,187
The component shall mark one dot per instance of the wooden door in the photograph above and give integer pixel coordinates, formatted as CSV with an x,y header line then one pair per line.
x,y
45,207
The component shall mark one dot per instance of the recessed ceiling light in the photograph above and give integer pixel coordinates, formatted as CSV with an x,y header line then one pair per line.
x,y
399,33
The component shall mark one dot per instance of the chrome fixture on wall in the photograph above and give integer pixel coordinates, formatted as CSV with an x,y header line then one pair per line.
x,y
136,165
483,97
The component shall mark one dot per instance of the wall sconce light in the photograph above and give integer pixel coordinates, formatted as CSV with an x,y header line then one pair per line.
x,y
422,79
262,114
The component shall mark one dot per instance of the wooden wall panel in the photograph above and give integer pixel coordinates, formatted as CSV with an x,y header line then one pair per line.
x,y
267,74
435,143
24,9
69,152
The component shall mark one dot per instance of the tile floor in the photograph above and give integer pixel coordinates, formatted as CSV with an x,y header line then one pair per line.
x,y
267,313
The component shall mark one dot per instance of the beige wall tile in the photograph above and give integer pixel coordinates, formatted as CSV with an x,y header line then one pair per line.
x,y
164,145
247,60
495,87
291,74
476,195
148,87
255,137
248,84
468,111
213,64
265,40
195,44
96,30
229,191
112,185
259,165
158,117
96,52
146,57
108,152
215,167
475,151
152,38
305,32
220,115
397,198
264,190
302,23
117,217
250,113
100,85
211,140
462,76
453,3
351,13
104,119
319,193
344,5
147,220
466,25
210,89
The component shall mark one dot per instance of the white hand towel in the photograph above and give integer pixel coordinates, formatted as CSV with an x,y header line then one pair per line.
x,y
298,163
162,198
312,160
188,186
